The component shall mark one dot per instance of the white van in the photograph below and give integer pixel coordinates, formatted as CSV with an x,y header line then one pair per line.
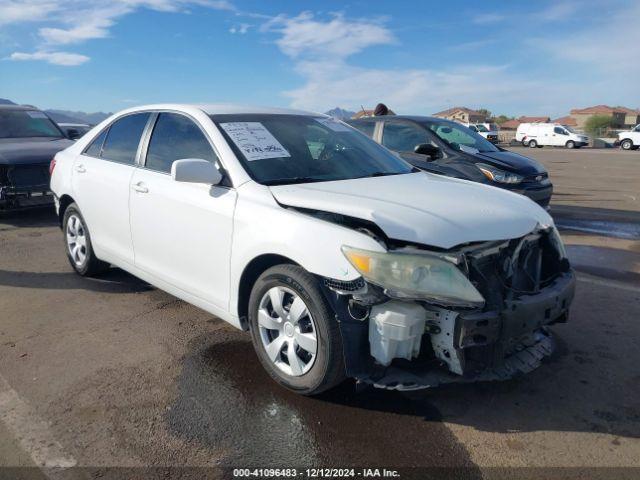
x,y
629,140
487,130
549,134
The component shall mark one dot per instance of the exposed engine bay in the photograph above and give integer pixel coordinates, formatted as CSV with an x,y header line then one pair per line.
x,y
396,342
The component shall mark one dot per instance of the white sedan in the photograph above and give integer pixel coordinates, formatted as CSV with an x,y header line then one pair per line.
x,y
341,259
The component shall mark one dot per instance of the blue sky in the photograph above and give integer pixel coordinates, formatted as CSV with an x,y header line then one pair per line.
x,y
419,57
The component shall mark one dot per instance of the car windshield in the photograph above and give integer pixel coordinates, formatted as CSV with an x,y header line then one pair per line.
x,y
569,129
278,149
459,137
482,128
27,123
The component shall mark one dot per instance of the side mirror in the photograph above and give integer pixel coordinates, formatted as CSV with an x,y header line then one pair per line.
x,y
73,134
428,150
194,170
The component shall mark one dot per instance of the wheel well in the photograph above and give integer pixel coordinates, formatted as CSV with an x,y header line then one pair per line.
x,y
65,201
251,272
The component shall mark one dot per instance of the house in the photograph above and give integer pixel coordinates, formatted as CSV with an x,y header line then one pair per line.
x,y
631,116
462,114
514,123
581,115
567,121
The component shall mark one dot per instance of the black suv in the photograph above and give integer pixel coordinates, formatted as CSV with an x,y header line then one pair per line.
x,y
28,141
449,148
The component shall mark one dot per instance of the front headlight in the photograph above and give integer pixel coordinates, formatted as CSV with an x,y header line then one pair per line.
x,y
427,277
497,175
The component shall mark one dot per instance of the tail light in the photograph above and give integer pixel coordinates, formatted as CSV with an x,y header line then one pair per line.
x,y
52,165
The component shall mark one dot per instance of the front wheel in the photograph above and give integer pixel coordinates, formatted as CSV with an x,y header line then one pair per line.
x,y
626,144
294,331
570,144
78,241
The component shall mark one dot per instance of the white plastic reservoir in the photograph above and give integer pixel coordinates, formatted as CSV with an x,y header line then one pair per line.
x,y
395,331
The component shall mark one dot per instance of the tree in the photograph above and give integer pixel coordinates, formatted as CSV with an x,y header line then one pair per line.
x,y
485,112
500,119
596,123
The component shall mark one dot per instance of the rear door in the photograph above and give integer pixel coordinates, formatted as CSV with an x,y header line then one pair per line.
x,y
181,231
101,178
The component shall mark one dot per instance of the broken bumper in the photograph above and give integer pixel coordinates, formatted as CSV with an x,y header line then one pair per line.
x,y
465,346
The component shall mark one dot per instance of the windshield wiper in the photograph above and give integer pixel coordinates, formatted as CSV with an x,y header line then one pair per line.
x,y
292,180
384,174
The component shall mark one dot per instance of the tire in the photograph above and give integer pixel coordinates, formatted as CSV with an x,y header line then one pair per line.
x,y
532,144
570,144
78,244
626,144
287,362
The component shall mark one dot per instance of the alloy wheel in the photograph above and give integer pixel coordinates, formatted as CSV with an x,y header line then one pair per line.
x,y
287,330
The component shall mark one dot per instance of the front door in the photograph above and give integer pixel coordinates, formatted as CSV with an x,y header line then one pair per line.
x,y
182,231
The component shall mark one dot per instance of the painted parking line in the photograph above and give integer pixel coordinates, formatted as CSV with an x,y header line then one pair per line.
x,y
32,433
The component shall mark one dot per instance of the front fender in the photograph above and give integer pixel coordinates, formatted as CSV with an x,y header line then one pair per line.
x,y
263,227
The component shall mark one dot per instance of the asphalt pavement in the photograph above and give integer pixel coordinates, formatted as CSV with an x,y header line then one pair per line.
x,y
109,371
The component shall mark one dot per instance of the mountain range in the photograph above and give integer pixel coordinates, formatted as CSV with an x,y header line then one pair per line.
x,y
68,116
340,113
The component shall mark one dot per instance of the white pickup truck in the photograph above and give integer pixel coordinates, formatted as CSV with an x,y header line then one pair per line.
x,y
630,140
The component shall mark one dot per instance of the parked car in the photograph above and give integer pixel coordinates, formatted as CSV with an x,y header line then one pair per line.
x,y
538,135
74,131
629,140
28,141
486,130
341,259
449,148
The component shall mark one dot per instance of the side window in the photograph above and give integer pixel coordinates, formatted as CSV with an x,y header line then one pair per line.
x,y
559,130
123,138
365,127
95,147
176,137
403,137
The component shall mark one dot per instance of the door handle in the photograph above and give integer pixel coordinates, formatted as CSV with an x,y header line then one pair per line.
x,y
80,168
139,187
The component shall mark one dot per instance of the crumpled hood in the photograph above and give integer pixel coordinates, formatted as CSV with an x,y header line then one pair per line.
x,y
422,208
23,151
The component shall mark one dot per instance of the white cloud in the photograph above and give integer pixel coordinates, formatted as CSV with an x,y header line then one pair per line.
x,y
240,29
76,21
304,35
558,11
16,11
420,91
66,59
604,47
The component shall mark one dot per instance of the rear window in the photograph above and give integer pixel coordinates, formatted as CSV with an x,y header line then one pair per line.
x,y
121,144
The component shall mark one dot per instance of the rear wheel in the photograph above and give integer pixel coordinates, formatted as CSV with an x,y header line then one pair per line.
x,y
626,144
294,331
533,144
570,144
78,242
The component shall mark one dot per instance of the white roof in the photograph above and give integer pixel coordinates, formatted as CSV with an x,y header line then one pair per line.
x,y
224,108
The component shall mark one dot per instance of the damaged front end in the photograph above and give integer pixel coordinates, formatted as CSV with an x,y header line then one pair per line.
x,y
485,318
24,185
